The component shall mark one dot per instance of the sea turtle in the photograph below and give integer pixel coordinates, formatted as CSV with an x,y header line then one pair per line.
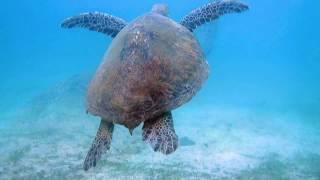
x,y
152,66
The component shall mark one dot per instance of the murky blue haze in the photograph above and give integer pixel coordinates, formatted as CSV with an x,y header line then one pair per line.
x,y
256,117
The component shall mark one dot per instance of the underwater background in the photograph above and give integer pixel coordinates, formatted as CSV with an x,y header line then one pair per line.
x,y
256,117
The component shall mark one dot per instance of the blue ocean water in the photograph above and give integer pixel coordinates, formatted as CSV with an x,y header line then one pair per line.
x,y
256,117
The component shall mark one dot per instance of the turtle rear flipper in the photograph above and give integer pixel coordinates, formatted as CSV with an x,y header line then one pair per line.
x,y
100,144
160,134
212,11
100,22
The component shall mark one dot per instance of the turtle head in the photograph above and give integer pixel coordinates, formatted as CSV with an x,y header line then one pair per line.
x,y
160,9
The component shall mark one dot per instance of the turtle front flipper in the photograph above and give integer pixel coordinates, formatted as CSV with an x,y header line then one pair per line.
x,y
160,134
96,21
212,11
100,144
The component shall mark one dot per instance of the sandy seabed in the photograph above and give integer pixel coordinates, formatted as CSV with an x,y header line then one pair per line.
x,y
50,136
